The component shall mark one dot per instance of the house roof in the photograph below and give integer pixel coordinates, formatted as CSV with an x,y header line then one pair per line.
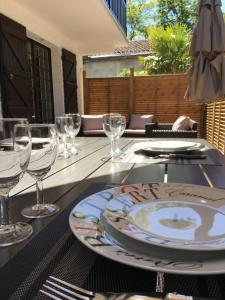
x,y
133,47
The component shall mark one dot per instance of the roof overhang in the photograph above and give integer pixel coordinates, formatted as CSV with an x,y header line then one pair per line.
x,y
83,26
106,57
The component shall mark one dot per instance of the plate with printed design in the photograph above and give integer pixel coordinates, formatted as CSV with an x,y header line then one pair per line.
x,y
86,223
186,224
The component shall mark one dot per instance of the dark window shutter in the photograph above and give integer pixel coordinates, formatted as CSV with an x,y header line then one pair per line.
x,y
16,93
69,81
41,76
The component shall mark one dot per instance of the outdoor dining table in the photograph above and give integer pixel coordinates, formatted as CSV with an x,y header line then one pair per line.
x,y
54,250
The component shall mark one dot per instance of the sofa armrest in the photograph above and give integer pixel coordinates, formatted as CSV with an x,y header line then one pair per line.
x,y
165,126
149,127
173,134
80,133
193,124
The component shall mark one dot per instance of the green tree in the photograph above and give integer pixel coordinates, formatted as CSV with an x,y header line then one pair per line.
x,y
139,17
170,49
126,73
170,12
143,13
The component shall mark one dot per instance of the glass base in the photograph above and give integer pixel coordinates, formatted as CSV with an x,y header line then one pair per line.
x,y
63,155
116,154
112,156
14,233
40,211
120,154
74,151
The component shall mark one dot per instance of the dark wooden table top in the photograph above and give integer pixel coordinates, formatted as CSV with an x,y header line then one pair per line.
x,y
88,172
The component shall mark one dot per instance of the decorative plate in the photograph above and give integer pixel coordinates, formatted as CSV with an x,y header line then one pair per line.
x,y
85,223
188,224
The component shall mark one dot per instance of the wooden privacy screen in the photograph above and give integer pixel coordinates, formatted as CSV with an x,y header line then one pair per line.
x,y
161,95
103,95
215,124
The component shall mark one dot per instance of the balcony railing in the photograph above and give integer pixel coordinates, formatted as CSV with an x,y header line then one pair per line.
x,y
118,8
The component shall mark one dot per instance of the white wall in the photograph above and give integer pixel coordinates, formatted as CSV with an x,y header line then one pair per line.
x,y
35,23
42,32
111,67
81,26
57,73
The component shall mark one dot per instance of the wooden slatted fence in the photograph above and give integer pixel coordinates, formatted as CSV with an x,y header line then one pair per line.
x,y
161,95
215,124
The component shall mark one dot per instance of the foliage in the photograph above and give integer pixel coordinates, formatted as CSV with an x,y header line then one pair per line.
x,y
170,47
169,38
139,17
140,73
170,12
126,73
144,13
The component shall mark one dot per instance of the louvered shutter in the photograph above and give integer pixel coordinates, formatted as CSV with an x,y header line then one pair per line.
x,y
16,91
70,81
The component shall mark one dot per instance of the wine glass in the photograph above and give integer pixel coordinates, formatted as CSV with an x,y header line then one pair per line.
x,y
44,150
74,131
65,127
112,126
15,149
123,127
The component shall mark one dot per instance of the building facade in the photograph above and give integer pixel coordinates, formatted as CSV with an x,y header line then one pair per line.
x,y
42,44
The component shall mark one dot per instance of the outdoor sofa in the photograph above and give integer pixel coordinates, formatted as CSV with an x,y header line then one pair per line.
x,y
91,125
169,130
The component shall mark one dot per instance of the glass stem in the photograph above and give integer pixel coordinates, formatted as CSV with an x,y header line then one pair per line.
x,y
73,142
39,188
73,149
113,144
65,147
117,146
4,210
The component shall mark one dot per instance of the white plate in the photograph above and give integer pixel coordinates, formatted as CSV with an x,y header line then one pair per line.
x,y
169,146
191,224
85,216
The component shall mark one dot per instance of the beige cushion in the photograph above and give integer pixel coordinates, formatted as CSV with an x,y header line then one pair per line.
x,y
94,132
139,121
182,123
133,132
92,122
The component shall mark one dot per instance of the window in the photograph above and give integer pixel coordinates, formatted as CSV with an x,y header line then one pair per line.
x,y
41,76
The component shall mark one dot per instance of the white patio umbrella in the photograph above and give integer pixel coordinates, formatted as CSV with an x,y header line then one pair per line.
x,y
207,73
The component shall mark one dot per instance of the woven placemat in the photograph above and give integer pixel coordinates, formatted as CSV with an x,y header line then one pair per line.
x,y
56,251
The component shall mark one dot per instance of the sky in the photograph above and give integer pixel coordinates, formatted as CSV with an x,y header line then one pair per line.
x,y
223,5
